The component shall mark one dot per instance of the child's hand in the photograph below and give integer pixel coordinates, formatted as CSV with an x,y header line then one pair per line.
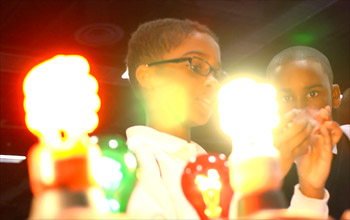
x,y
314,166
345,215
317,117
292,138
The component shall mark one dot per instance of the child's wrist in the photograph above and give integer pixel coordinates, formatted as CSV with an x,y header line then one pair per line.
x,y
286,164
310,191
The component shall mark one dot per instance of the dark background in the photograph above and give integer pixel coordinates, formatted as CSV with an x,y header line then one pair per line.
x,y
250,33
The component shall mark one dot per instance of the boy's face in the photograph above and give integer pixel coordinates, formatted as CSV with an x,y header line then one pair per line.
x,y
302,84
184,96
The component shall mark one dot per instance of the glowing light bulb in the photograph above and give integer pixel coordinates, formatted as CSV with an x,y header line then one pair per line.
x,y
205,182
248,113
116,173
61,99
61,105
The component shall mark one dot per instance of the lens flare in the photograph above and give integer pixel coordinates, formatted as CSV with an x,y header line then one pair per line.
x,y
172,102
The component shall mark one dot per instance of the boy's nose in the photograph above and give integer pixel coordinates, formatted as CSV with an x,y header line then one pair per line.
x,y
211,81
300,103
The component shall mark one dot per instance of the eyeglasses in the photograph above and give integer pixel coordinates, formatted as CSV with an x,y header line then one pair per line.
x,y
197,65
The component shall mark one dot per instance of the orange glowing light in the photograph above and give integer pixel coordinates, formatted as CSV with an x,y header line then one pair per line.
x,y
61,99
210,187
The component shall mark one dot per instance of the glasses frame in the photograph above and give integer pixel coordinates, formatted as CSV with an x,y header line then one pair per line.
x,y
189,62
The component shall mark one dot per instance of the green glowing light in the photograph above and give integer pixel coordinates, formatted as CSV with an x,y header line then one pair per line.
x,y
303,38
117,172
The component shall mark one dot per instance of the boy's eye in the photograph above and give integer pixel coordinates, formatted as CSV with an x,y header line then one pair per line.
x,y
286,98
312,94
198,68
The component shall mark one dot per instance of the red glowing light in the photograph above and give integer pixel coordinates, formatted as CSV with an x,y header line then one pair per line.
x,y
206,185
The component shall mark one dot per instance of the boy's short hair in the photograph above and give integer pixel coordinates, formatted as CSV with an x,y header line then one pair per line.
x,y
300,53
154,38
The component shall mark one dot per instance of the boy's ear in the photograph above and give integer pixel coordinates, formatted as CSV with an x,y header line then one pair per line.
x,y
335,96
144,76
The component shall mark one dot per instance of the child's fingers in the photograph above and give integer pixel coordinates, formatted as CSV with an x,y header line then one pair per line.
x,y
327,138
335,131
285,121
301,148
325,113
328,108
295,140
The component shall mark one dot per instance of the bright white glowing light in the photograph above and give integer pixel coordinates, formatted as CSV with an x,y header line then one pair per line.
x,y
113,143
193,159
46,167
125,74
109,175
61,98
212,181
248,113
114,204
210,187
94,139
222,156
101,204
130,160
11,158
212,159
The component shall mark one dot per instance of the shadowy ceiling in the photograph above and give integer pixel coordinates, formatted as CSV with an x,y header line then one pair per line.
x,y
250,33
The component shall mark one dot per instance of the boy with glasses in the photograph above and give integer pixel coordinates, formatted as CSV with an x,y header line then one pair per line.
x,y
174,67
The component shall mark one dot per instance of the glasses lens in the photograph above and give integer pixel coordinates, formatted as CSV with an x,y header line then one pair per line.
x,y
199,66
220,75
